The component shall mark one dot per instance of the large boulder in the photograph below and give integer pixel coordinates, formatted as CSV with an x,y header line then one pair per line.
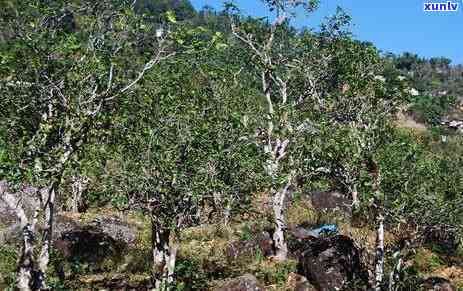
x,y
97,239
89,245
437,284
98,245
300,235
446,238
331,201
246,282
332,263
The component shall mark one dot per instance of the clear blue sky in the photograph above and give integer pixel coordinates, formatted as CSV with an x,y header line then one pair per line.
x,y
392,25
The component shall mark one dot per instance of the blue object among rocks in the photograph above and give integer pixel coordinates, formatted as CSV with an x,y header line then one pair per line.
x,y
326,229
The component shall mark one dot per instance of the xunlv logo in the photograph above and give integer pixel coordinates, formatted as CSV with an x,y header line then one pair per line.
x,y
449,6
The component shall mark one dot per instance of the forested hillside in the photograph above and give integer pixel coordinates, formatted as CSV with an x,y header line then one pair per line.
x,y
148,146
436,95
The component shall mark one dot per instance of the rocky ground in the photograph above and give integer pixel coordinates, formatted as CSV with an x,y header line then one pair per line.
x,y
110,250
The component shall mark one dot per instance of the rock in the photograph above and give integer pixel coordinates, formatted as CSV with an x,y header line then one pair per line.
x,y
104,233
262,241
9,223
455,124
113,282
265,242
99,245
109,225
88,245
330,263
437,284
297,282
65,222
305,286
301,233
442,236
246,282
115,228
414,92
331,201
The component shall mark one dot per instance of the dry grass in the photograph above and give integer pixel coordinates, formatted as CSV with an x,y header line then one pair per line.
x,y
406,121
454,274
301,212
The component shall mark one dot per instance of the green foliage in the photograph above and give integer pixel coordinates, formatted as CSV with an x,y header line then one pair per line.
x,y
190,275
67,78
193,131
182,9
246,233
434,77
8,258
422,180
431,109
276,273
426,262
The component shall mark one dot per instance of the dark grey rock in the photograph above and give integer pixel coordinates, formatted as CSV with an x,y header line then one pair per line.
x,y
330,263
331,201
103,237
437,284
246,282
442,236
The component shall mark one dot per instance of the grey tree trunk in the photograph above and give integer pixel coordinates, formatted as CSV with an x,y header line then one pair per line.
x,y
30,273
379,265
277,151
355,198
173,248
164,256
25,275
281,246
394,276
48,202
79,184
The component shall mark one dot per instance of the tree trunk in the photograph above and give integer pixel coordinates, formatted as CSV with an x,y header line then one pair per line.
x,y
78,186
171,264
48,201
30,273
379,265
355,199
26,275
394,276
163,256
281,248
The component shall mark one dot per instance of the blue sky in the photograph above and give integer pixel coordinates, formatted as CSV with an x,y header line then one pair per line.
x,y
392,25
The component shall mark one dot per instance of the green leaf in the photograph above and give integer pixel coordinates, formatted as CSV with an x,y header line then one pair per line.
x,y
171,16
